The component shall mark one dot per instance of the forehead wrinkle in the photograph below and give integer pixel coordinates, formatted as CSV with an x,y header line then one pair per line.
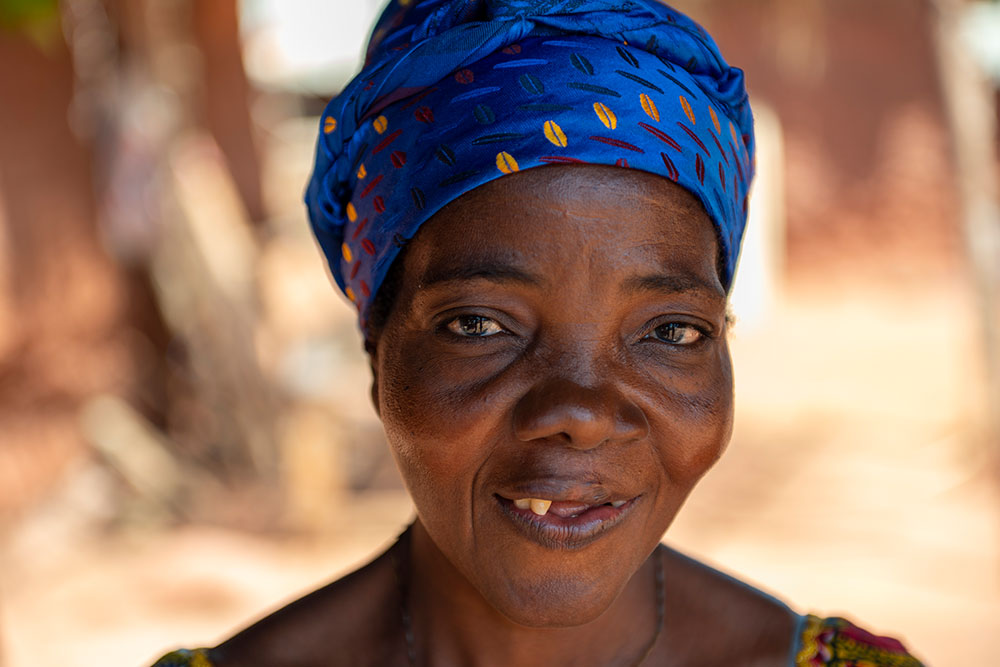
x,y
475,215
653,208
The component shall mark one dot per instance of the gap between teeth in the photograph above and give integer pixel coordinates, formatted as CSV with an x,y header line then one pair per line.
x,y
541,507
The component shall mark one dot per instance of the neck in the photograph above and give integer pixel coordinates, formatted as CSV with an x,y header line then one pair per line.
x,y
452,624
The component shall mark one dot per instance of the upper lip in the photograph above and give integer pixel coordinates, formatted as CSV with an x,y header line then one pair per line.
x,y
567,524
563,490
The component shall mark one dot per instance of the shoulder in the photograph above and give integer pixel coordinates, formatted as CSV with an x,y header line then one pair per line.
x,y
718,619
836,641
352,621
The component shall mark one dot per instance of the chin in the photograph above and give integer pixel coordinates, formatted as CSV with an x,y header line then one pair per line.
x,y
557,601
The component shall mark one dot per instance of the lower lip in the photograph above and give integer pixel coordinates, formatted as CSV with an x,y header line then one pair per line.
x,y
555,532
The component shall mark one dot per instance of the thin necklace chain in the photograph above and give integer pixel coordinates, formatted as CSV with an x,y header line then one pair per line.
x,y
401,570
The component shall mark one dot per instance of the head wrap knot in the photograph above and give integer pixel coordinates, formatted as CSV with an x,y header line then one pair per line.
x,y
456,93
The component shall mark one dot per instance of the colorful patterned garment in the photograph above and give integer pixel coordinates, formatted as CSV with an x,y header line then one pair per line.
x,y
833,642
185,658
458,93
838,643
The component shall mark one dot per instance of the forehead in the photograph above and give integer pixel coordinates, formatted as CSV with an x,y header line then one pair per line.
x,y
551,220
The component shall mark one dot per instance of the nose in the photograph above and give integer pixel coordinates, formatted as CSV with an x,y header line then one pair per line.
x,y
584,417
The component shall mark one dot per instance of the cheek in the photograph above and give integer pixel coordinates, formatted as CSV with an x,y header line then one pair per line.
x,y
697,420
438,427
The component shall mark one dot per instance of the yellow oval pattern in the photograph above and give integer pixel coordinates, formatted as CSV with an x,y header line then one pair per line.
x,y
555,134
606,115
715,120
352,213
346,249
362,172
506,162
350,294
688,110
329,125
732,131
380,124
649,107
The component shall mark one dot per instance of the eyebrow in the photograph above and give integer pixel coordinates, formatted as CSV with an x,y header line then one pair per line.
x,y
672,284
490,271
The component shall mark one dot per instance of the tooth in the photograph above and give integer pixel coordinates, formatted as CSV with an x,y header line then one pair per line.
x,y
522,503
617,503
540,507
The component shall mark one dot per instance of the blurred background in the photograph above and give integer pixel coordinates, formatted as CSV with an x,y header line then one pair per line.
x,y
186,439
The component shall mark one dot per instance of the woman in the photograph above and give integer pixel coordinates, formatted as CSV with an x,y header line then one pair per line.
x,y
536,208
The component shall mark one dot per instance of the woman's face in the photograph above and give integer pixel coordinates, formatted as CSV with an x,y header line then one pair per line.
x,y
558,335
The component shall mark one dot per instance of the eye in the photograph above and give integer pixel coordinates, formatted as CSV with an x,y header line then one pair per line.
x,y
676,333
474,326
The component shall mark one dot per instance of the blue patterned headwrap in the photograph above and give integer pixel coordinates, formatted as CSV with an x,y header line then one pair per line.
x,y
457,93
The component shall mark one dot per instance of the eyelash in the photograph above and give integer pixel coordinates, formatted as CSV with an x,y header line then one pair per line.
x,y
456,323
701,333
455,327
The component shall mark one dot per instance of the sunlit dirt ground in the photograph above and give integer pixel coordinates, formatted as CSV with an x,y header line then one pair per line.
x,y
857,483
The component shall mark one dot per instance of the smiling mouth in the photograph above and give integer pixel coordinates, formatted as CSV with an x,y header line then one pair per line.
x,y
564,524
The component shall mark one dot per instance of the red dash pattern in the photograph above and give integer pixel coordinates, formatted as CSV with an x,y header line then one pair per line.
x,y
719,146
672,172
694,137
617,143
360,228
424,115
371,185
662,136
382,145
561,159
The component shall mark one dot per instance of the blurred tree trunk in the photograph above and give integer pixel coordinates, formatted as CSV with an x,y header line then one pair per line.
x,y
225,96
82,309
972,118
64,294
206,186
45,175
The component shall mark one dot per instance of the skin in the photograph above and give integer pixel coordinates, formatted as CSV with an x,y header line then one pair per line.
x,y
561,328
571,385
